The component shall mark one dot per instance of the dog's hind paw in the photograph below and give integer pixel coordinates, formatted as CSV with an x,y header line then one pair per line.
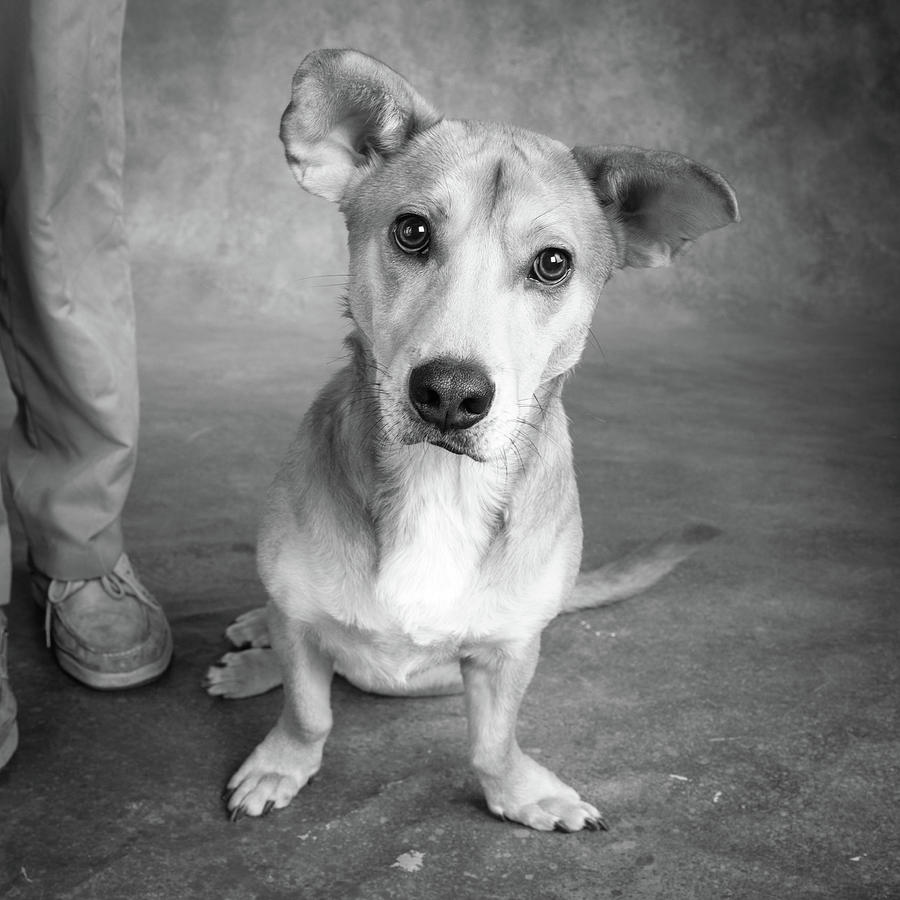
x,y
250,629
246,673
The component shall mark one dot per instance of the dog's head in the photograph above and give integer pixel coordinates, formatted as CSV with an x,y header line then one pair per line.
x,y
477,250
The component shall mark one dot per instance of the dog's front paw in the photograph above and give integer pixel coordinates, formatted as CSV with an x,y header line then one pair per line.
x,y
250,629
556,813
533,796
271,776
245,673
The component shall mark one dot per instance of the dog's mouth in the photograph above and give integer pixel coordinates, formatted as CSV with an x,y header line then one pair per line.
x,y
453,446
457,444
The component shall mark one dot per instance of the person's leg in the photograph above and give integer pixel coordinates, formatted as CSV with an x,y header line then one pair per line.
x,y
67,332
67,315
9,733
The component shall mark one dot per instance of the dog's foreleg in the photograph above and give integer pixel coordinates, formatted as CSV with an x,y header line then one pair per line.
x,y
292,751
515,786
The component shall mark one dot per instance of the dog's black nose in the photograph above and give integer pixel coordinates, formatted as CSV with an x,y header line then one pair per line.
x,y
450,393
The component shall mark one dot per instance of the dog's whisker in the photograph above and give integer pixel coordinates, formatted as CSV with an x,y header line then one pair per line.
x,y
518,457
545,434
589,332
533,446
346,276
526,423
597,342
547,212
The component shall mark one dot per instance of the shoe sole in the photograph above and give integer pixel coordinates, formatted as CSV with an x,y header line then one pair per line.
x,y
116,681
9,744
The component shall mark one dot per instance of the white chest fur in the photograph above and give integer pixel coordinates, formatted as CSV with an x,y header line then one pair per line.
x,y
435,527
451,572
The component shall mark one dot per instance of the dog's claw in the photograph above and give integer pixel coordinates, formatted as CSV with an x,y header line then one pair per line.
x,y
270,805
237,814
591,823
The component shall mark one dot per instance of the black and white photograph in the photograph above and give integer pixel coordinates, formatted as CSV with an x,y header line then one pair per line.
x,y
449,450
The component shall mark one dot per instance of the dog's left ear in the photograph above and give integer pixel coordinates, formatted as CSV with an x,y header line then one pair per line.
x,y
657,202
347,111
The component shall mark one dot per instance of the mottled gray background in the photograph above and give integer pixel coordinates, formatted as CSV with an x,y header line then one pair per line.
x,y
796,103
738,724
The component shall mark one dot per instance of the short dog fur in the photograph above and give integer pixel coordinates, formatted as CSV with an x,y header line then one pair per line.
x,y
425,525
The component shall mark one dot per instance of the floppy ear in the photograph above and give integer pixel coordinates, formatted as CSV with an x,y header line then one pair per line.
x,y
346,111
657,202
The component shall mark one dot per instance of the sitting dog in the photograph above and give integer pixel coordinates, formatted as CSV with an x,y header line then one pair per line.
x,y
425,525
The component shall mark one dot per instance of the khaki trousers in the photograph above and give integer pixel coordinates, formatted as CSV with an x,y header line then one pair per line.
x,y
66,311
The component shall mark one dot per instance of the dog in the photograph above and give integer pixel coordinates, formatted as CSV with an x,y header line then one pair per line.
x,y
424,527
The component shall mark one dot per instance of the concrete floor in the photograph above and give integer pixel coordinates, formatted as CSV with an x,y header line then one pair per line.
x,y
737,724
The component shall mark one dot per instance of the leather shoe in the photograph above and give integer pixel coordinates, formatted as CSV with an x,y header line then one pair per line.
x,y
110,632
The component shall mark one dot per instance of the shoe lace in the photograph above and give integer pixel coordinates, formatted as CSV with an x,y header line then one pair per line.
x,y
120,583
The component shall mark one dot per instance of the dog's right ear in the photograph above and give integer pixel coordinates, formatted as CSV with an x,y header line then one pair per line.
x,y
347,111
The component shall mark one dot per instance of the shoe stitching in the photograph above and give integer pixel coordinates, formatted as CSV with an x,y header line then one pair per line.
x,y
118,584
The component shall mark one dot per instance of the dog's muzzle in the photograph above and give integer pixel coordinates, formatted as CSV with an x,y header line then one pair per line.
x,y
450,395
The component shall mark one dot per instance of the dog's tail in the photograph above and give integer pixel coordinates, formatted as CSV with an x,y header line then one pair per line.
x,y
639,569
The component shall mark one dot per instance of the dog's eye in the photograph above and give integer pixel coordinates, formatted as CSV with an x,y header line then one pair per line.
x,y
412,234
551,266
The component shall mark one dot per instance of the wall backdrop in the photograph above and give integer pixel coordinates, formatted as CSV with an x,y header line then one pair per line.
x,y
798,104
